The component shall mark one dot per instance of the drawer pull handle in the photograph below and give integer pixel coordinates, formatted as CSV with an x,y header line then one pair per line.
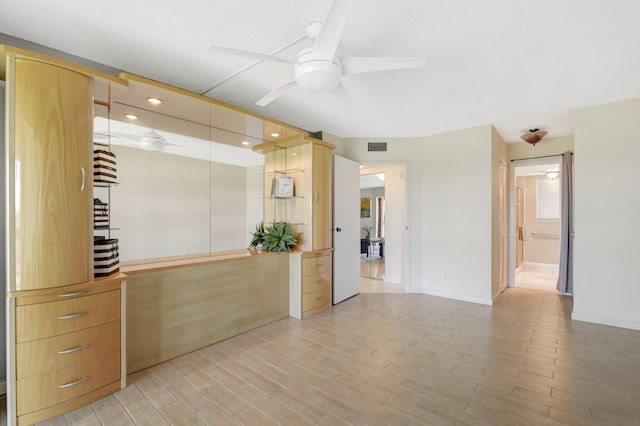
x,y
72,384
72,316
73,350
319,298
319,282
74,294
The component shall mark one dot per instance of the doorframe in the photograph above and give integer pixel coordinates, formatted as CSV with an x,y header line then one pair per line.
x,y
511,231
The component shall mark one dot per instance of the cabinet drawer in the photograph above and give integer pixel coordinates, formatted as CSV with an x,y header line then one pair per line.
x,y
314,300
311,283
53,353
65,316
316,264
45,390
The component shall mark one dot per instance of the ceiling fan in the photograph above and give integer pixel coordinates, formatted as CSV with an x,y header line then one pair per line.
x,y
317,68
149,141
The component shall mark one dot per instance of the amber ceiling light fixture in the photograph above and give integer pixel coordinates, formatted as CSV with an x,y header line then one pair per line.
x,y
533,136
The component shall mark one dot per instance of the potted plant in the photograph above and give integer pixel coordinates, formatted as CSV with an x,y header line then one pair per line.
x,y
278,237
257,237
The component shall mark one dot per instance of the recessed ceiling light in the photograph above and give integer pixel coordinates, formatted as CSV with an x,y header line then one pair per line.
x,y
275,135
293,153
131,116
245,143
155,101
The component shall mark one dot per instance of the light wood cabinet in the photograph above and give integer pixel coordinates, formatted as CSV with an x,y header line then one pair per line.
x,y
310,283
51,128
309,162
64,316
45,390
322,210
65,330
68,347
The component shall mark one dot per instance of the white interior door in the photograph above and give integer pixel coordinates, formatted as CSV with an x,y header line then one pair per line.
x,y
346,232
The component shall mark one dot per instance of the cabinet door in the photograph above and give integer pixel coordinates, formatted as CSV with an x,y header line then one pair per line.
x,y
52,175
322,197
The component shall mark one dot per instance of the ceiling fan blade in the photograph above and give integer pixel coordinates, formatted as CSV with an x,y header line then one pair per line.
x,y
341,94
275,93
247,54
129,136
360,65
329,37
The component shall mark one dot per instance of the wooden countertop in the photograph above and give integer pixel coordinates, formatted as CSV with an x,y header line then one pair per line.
x,y
152,265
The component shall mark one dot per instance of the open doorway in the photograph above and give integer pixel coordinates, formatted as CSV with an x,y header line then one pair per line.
x,y
382,233
536,223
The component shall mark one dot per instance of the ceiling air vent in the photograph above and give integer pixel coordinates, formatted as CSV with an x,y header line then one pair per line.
x,y
377,147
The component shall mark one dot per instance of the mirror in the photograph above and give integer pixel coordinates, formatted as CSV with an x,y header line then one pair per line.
x,y
372,232
180,192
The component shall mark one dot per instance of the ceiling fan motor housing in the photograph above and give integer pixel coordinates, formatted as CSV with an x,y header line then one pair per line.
x,y
317,74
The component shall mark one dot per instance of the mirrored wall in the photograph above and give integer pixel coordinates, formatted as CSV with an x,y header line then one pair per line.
x,y
182,189
372,230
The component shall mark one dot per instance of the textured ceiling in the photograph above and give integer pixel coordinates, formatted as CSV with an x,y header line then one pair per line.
x,y
513,64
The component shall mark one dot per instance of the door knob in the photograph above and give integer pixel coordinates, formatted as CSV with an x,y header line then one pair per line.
x,y
338,229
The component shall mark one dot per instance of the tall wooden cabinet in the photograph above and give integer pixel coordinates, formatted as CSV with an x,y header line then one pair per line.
x,y
308,162
52,175
65,329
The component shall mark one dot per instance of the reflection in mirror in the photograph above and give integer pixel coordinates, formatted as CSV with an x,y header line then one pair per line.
x,y
179,192
372,225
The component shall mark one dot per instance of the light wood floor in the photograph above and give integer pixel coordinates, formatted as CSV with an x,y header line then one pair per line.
x,y
537,276
398,359
372,267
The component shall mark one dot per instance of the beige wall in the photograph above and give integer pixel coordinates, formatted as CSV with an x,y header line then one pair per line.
x,y
538,249
607,178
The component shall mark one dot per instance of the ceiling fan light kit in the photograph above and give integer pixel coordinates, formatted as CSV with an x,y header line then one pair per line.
x,y
315,74
533,136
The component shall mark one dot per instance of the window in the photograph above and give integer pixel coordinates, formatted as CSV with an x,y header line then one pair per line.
x,y
548,200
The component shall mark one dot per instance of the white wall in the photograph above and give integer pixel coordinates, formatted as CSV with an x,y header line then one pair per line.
x,y
607,182
450,208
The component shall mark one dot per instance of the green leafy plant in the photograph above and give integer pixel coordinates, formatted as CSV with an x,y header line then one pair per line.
x,y
278,237
257,236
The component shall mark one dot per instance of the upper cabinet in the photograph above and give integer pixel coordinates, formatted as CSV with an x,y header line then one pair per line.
x,y
322,206
306,163
50,128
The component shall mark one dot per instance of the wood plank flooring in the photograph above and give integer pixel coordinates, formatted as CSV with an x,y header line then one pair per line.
x,y
397,359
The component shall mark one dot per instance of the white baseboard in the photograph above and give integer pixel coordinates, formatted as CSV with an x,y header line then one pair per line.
x,y
614,322
454,296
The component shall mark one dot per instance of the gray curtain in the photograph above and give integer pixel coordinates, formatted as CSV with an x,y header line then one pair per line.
x,y
565,277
